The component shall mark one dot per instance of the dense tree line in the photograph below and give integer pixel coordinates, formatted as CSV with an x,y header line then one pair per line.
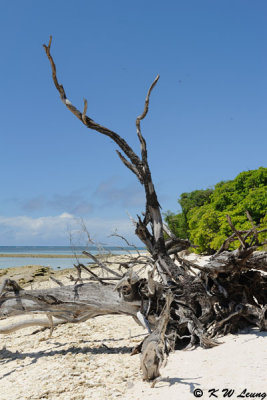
x,y
203,212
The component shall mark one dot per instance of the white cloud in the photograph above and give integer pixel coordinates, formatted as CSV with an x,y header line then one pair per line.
x,y
55,230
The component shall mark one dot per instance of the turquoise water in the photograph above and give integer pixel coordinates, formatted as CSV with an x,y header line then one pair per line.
x,y
54,263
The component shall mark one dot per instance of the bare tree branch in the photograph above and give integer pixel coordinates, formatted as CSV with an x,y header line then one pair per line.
x,y
85,119
91,273
138,121
56,281
243,244
102,265
4,330
131,167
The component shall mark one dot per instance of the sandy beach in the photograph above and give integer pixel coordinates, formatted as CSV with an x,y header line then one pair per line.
x,y
92,360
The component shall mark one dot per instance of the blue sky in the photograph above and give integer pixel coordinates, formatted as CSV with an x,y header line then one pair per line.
x,y
207,120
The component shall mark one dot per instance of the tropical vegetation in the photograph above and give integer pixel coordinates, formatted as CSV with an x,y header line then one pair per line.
x,y
203,212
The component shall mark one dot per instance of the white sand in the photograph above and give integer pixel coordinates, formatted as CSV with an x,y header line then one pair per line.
x,y
239,363
75,364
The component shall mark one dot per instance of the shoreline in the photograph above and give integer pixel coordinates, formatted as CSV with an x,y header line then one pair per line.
x,y
30,255
30,273
80,255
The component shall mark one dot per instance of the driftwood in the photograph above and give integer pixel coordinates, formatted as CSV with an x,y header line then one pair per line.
x,y
181,304
75,303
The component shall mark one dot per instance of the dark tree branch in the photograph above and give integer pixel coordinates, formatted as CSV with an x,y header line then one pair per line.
x,y
101,265
58,282
140,118
243,244
254,229
131,167
190,305
7,283
85,119
100,280
139,167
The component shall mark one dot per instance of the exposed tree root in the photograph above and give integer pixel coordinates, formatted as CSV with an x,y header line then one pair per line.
x,y
181,304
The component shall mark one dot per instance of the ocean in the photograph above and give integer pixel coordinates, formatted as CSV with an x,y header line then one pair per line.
x,y
49,256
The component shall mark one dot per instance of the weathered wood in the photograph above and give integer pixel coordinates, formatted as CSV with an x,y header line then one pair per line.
x,y
181,303
69,303
153,347
15,326
139,166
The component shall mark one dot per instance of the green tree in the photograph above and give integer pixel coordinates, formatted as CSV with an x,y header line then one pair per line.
x,y
205,211
178,223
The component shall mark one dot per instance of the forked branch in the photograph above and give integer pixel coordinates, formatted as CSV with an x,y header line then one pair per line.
x,y
87,121
153,238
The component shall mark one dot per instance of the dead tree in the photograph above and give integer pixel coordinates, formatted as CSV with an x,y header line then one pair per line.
x,y
180,303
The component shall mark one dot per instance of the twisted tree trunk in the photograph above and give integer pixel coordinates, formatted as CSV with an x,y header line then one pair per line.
x,y
149,229
180,303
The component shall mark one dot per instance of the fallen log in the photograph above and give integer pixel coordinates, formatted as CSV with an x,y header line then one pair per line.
x,y
228,293
73,303
180,303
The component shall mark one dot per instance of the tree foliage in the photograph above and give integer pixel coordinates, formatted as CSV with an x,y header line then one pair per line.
x,y
203,216
178,223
